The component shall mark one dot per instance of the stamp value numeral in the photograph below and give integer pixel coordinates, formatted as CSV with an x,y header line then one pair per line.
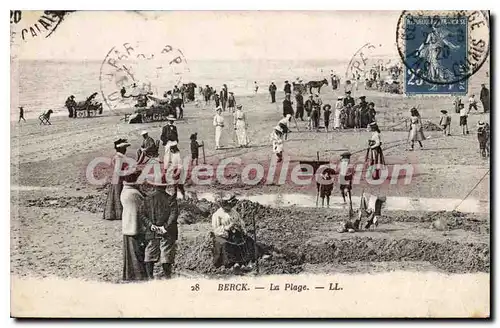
x,y
15,16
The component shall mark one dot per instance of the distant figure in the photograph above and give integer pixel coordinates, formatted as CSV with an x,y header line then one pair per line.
x,y
445,123
219,125
348,99
148,148
168,137
287,88
71,106
463,119
287,106
485,98
240,125
338,111
255,86
416,130
472,102
224,96
309,107
206,94
327,111
21,114
195,145
272,91
483,136
216,99
299,112
457,102
231,102
326,186
277,140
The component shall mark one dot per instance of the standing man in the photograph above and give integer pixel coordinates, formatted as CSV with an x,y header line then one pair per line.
x,y
287,106
300,106
272,91
218,124
485,98
21,114
363,119
231,102
472,103
255,86
348,99
161,228
287,88
133,254
177,105
223,96
70,105
309,107
168,137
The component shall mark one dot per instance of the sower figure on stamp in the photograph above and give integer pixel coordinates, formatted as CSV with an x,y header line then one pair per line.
x,y
485,98
160,220
132,229
113,207
168,136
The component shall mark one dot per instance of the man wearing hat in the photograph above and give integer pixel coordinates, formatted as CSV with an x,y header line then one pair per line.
x,y
309,107
483,136
132,225
288,88
162,233
287,106
348,99
168,136
484,96
70,105
194,148
272,91
218,124
224,96
113,207
362,111
445,122
299,99
231,102
21,114
148,148
277,140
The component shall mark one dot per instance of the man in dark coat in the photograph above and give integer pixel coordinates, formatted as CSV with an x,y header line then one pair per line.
x,y
223,96
485,98
287,88
21,114
371,112
70,105
272,91
363,112
287,106
160,221
300,106
169,136
348,99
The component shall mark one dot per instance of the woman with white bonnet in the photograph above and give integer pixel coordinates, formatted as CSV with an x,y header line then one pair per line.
x,y
218,124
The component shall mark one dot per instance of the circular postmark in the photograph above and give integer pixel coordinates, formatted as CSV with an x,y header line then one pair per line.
x,y
26,25
130,70
443,47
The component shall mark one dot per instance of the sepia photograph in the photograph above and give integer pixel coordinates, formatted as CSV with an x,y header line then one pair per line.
x,y
258,164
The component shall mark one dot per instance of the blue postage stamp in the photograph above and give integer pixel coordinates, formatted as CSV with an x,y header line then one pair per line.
x,y
435,51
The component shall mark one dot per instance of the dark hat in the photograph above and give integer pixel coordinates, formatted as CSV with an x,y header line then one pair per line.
x,y
345,155
286,81
444,111
362,97
21,107
121,143
348,92
371,104
193,136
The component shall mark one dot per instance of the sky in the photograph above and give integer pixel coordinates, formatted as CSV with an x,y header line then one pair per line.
x,y
222,35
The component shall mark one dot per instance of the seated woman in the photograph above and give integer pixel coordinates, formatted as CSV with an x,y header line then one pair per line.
x,y
232,245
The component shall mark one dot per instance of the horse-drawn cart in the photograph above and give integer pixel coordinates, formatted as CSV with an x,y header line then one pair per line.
x,y
88,108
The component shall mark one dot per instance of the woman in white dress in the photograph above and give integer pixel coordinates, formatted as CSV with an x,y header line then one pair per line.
x,y
338,110
277,140
240,126
218,124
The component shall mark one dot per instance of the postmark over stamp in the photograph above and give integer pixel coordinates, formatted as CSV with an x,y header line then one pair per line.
x,y
441,50
135,69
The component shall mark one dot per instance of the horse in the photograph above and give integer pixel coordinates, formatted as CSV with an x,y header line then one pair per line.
x,y
316,84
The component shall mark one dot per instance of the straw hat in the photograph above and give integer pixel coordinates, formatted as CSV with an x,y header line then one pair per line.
x,y
144,132
171,117
120,143
444,111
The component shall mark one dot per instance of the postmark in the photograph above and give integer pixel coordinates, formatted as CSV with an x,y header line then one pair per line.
x,y
134,69
26,25
441,50
370,66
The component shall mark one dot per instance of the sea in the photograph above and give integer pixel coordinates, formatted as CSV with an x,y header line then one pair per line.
x,y
41,85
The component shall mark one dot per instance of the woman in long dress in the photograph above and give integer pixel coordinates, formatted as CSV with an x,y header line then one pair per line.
x,y
113,207
416,130
240,125
218,124
338,110
375,143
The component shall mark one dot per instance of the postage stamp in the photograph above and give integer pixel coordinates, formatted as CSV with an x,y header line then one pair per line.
x,y
27,25
245,171
442,50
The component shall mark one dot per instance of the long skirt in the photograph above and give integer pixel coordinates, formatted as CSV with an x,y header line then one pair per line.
x,y
336,121
113,208
133,259
241,132
218,134
229,252
416,133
